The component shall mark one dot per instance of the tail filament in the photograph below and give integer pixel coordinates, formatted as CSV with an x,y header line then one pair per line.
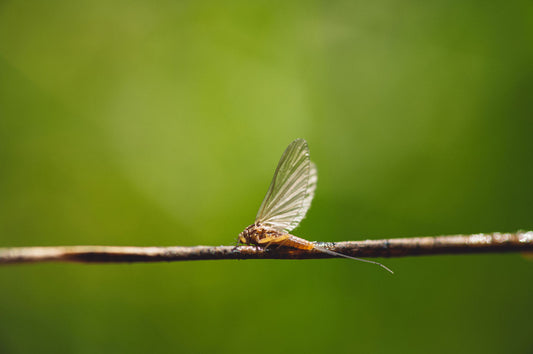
x,y
325,250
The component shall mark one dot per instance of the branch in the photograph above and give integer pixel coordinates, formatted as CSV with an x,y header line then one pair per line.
x,y
398,247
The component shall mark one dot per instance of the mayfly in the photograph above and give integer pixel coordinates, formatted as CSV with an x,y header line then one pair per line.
x,y
287,200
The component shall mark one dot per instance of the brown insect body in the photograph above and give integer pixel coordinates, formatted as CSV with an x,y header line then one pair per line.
x,y
264,236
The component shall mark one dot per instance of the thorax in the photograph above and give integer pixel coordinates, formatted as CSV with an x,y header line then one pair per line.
x,y
256,232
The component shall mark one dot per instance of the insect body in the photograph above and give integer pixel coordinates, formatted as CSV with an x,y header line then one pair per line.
x,y
287,201
265,236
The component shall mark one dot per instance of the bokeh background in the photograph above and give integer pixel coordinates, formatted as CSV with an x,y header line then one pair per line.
x,y
161,122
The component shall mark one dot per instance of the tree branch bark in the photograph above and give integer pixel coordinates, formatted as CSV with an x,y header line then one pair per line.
x,y
396,247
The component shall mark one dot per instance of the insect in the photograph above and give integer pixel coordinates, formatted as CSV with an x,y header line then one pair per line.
x,y
287,201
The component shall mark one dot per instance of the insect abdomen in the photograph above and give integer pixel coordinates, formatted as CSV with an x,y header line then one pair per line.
x,y
299,243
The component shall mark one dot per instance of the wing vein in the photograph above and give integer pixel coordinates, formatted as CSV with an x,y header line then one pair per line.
x,y
292,188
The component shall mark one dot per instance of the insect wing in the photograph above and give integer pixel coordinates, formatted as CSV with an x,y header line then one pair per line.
x,y
291,191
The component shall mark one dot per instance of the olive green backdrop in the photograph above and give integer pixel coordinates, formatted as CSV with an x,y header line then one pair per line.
x,y
161,123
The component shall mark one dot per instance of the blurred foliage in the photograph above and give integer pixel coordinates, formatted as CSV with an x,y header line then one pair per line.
x,y
161,123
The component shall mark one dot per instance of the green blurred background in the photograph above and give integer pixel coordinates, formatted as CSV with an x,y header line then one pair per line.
x,y
160,123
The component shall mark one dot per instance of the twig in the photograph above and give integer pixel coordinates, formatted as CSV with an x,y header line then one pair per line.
x,y
398,247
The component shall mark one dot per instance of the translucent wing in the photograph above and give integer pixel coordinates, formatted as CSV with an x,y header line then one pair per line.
x,y
291,190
